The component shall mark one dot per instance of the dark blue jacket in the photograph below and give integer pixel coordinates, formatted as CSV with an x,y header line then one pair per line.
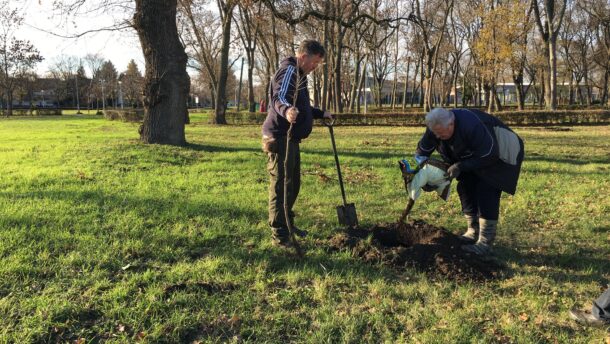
x,y
282,93
475,148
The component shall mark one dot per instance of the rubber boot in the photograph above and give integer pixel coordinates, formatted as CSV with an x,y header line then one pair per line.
x,y
487,235
472,233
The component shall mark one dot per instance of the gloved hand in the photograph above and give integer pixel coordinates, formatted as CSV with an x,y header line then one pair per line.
x,y
420,159
453,171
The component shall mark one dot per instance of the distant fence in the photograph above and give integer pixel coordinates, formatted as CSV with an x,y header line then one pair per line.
x,y
518,118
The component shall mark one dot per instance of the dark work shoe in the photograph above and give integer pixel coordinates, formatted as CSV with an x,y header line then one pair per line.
x,y
478,249
586,318
299,232
281,241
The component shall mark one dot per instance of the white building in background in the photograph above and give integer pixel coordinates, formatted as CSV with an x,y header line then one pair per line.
x,y
507,93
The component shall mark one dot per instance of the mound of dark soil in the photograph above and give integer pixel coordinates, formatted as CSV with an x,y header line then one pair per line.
x,y
416,244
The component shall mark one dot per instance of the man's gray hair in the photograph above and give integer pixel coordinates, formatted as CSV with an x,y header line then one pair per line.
x,y
311,47
439,116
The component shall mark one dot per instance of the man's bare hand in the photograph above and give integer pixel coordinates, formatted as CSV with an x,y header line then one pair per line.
x,y
291,114
328,115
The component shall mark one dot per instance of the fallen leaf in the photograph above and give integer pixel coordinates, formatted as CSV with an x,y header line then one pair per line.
x,y
524,317
121,328
234,321
140,335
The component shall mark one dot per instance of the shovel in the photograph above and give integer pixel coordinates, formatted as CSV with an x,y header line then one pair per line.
x,y
407,175
346,212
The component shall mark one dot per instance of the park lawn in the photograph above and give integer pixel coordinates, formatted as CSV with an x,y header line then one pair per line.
x,y
103,238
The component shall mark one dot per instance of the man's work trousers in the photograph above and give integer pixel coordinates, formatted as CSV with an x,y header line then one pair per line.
x,y
275,167
478,198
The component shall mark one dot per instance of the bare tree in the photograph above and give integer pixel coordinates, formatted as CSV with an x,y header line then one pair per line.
x,y
94,62
599,12
553,17
248,27
432,21
226,16
17,57
64,68
202,34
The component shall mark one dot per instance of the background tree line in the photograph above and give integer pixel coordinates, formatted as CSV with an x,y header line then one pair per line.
x,y
433,47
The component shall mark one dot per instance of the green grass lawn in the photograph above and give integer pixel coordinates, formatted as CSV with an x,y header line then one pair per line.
x,y
103,238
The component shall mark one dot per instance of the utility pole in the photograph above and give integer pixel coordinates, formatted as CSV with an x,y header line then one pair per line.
x,y
77,97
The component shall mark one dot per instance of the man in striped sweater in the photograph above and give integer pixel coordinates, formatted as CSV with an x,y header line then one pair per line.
x,y
289,104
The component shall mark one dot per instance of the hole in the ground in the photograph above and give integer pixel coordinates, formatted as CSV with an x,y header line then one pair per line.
x,y
416,244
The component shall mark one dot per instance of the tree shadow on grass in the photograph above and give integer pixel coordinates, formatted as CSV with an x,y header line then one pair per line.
x,y
221,149
176,246
565,160
577,267
328,154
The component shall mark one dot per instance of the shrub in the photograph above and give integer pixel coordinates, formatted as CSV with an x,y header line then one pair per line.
x,y
18,112
519,118
47,112
131,115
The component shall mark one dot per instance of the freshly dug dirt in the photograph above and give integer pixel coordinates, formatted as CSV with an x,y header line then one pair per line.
x,y
416,244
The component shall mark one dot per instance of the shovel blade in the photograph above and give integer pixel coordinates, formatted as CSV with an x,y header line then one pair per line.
x,y
347,215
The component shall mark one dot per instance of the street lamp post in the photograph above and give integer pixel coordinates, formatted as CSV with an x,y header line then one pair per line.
x,y
121,94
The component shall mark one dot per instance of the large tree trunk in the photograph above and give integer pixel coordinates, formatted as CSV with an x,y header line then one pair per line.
x,y
455,82
581,98
9,103
355,91
520,95
415,89
316,90
549,32
571,91
337,76
251,101
325,66
605,97
406,85
552,93
588,86
166,82
428,83
422,82
221,103
543,88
